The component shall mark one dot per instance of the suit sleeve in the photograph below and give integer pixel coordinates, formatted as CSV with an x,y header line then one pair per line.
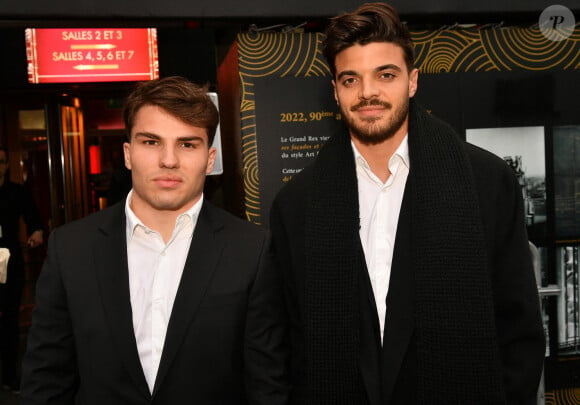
x,y
265,348
30,212
518,319
49,372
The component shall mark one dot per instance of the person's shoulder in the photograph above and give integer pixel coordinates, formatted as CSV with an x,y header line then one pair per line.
x,y
11,184
484,159
94,220
232,222
491,172
14,187
297,187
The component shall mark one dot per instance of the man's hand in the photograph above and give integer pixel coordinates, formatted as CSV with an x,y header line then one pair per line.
x,y
35,239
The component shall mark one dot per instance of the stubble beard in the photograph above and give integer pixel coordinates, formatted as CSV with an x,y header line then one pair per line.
x,y
372,132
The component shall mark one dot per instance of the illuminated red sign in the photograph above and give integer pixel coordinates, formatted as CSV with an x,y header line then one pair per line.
x,y
91,54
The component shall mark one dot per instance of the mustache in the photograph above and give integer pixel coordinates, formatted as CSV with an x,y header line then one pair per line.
x,y
366,103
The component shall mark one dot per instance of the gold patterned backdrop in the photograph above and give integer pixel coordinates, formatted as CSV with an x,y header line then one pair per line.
x,y
269,54
570,396
441,51
501,49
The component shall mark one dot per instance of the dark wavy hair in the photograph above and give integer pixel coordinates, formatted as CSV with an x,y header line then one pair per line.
x,y
178,96
371,22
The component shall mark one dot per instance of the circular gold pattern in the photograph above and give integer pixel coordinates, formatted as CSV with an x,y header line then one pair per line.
x,y
566,396
497,49
268,54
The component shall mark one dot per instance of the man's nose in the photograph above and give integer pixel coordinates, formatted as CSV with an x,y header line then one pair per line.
x,y
368,89
169,157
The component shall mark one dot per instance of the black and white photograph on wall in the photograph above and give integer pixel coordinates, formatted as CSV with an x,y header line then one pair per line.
x,y
568,270
540,262
523,149
567,181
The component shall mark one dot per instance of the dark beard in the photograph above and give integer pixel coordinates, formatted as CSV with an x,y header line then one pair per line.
x,y
370,135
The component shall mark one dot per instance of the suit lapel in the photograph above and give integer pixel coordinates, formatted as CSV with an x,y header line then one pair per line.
x,y
380,365
399,321
204,253
113,280
370,350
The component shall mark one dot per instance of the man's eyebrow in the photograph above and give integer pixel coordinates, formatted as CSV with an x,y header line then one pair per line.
x,y
389,66
190,138
149,135
346,73
378,69
187,138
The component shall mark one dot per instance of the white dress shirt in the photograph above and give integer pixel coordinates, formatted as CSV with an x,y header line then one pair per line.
x,y
155,270
380,205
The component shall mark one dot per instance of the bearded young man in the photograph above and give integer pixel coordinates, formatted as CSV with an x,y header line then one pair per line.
x,y
403,249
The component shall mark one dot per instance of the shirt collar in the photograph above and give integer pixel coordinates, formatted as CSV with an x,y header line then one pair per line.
x,y
133,221
401,153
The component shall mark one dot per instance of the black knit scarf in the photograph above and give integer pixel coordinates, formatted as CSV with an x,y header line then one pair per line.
x,y
458,361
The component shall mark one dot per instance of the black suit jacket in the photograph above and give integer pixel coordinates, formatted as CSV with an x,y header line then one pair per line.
x,y
389,371
224,333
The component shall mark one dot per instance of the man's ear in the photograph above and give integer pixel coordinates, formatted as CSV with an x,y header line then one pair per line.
x,y
127,154
210,160
413,82
334,91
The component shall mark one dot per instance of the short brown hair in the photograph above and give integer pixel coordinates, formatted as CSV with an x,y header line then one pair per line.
x,y
178,96
371,22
